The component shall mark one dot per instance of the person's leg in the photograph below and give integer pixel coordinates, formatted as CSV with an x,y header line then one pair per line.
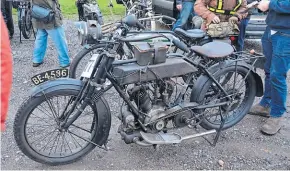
x,y
187,8
262,108
59,39
40,46
279,68
268,52
10,24
80,11
242,35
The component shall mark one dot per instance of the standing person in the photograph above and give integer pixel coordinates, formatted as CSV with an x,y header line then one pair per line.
x,y
242,27
276,48
186,11
6,9
55,30
6,71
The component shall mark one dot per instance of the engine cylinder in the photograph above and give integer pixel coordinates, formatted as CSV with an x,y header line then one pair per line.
x,y
142,99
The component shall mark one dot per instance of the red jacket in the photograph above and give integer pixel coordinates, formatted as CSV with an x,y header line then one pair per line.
x,y
6,71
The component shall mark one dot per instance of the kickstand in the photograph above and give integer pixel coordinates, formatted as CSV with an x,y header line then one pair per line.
x,y
219,130
20,36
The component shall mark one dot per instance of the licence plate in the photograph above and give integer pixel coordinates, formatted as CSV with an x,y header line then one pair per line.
x,y
49,75
87,73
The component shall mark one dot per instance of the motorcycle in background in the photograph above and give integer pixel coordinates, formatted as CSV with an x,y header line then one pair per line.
x,y
89,10
24,18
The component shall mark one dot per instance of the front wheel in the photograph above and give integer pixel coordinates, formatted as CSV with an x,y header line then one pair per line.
x,y
26,24
241,86
38,132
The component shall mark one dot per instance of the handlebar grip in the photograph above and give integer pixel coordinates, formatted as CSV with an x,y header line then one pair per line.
x,y
180,45
140,26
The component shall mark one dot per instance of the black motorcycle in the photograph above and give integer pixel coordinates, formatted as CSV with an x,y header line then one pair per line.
x,y
64,119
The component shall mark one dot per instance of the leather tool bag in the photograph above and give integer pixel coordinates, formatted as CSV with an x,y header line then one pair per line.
x,y
222,29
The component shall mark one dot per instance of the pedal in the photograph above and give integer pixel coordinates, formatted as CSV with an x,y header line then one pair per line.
x,y
161,138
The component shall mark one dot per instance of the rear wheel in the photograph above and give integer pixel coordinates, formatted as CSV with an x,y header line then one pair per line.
x,y
38,133
240,85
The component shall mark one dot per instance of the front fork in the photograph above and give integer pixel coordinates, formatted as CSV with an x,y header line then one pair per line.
x,y
91,91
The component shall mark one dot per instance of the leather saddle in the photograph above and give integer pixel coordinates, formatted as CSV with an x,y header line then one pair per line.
x,y
214,50
190,34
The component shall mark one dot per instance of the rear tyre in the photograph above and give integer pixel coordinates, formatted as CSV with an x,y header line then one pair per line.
x,y
205,91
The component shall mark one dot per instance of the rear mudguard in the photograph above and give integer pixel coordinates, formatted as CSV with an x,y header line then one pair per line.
x,y
102,107
213,69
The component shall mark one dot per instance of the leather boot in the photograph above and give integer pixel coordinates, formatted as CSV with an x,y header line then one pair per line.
x,y
272,126
260,110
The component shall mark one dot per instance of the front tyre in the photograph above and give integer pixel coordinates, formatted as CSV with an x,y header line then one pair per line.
x,y
26,24
39,136
241,86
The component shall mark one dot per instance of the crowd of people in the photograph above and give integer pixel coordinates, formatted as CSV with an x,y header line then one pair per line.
x,y
275,42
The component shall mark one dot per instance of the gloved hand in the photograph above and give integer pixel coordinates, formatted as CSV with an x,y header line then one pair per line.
x,y
234,20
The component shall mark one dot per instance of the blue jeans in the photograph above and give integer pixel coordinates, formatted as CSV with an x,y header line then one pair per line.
x,y
276,49
186,12
241,38
58,37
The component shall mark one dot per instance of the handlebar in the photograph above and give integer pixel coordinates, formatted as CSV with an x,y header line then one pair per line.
x,y
139,25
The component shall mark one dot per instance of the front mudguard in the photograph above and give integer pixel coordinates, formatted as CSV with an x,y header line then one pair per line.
x,y
213,69
103,110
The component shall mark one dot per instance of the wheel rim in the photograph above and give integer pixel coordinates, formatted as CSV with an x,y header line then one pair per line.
x,y
241,93
43,133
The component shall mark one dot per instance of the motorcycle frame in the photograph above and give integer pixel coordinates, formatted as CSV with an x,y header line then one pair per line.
x,y
94,86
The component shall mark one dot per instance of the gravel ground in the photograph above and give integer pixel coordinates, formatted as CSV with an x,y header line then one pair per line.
x,y
241,147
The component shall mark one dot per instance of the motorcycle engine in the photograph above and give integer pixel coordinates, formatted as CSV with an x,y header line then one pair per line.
x,y
151,100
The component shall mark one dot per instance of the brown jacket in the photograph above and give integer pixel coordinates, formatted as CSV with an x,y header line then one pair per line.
x,y
201,9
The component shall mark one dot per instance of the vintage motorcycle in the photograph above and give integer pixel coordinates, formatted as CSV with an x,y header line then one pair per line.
x,y
90,11
64,119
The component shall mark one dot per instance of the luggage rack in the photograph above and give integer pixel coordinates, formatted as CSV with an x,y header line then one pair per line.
x,y
254,59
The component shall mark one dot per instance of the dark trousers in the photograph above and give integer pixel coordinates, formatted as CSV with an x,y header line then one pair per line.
x,y
276,48
242,35
80,11
185,14
6,9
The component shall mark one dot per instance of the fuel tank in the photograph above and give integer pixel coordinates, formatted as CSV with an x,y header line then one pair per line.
x,y
134,73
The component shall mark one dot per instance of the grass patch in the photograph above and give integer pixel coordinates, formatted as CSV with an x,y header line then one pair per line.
x,y
69,8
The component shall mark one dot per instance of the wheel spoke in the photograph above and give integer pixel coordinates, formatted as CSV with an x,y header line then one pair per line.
x,y
75,140
81,128
48,141
45,112
68,144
